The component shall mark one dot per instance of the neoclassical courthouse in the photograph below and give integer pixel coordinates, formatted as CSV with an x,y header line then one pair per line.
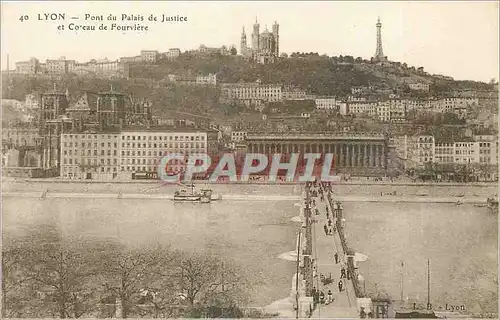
x,y
265,45
353,153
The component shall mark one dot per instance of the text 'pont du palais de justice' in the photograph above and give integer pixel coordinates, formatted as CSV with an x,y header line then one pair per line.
x,y
105,22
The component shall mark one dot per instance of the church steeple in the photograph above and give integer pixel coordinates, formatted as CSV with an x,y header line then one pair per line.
x,y
243,41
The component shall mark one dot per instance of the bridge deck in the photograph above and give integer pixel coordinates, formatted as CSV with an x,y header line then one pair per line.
x,y
324,248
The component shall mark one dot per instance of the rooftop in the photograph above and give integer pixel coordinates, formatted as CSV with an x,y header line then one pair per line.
x,y
164,129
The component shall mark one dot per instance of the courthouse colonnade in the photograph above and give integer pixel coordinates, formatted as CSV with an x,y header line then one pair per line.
x,y
363,151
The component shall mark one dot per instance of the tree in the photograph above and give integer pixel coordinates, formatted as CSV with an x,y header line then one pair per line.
x,y
15,281
131,271
60,274
203,277
233,51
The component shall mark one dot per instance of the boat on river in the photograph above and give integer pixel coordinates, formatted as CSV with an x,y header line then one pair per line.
x,y
188,194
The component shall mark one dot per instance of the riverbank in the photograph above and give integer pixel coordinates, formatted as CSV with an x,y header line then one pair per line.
x,y
244,197
356,181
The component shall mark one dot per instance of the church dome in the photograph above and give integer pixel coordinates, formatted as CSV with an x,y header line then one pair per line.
x,y
266,33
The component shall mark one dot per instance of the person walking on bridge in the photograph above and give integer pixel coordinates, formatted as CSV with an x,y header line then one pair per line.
x,y
342,273
330,297
341,285
336,256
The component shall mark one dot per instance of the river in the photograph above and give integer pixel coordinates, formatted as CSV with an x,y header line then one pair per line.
x,y
460,241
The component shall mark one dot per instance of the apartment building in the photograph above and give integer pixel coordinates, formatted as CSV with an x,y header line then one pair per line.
x,y
251,91
238,136
107,69
149,55
421,149
172,54
293,93
90,155
466,151
444,151
488,149
31,66
419,86
367,107
326,103
20,136
384,111
142,149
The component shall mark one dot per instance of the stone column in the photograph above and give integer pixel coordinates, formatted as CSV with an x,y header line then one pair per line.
x,y
347,155
339,155
343,149
366,155
383,157
335,155
360,155
353,155
373,155
377,155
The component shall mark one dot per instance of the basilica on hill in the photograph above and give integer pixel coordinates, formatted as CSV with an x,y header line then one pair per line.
x,y
265,45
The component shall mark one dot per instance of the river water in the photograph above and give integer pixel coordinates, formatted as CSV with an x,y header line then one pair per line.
x,y
460,241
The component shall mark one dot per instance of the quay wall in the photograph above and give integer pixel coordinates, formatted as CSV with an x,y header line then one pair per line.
x,y
239,197
267,182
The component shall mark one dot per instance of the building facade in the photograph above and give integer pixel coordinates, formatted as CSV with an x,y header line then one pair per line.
x,y
293,93
143,149
30,67
106,69
172,54
466,152
116,155
353,153
150,56
90,155
326,103
419,86
488,149
20,136
251,92
444,151
238,136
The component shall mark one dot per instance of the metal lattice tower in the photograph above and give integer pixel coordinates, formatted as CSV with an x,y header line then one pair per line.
x,y
379,53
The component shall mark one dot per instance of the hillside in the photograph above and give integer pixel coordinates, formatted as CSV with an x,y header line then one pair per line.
x,y
321,75
165,96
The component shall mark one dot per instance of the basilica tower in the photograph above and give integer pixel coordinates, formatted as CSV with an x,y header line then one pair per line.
x,y
243,43
276,28
255,35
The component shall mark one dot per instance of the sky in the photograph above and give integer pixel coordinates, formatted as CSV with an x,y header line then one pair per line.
x,y
458,39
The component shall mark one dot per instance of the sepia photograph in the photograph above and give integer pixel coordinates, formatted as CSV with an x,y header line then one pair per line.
x,y
193,159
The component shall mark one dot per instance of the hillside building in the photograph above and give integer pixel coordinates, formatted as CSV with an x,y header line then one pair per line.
x,y
264,46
